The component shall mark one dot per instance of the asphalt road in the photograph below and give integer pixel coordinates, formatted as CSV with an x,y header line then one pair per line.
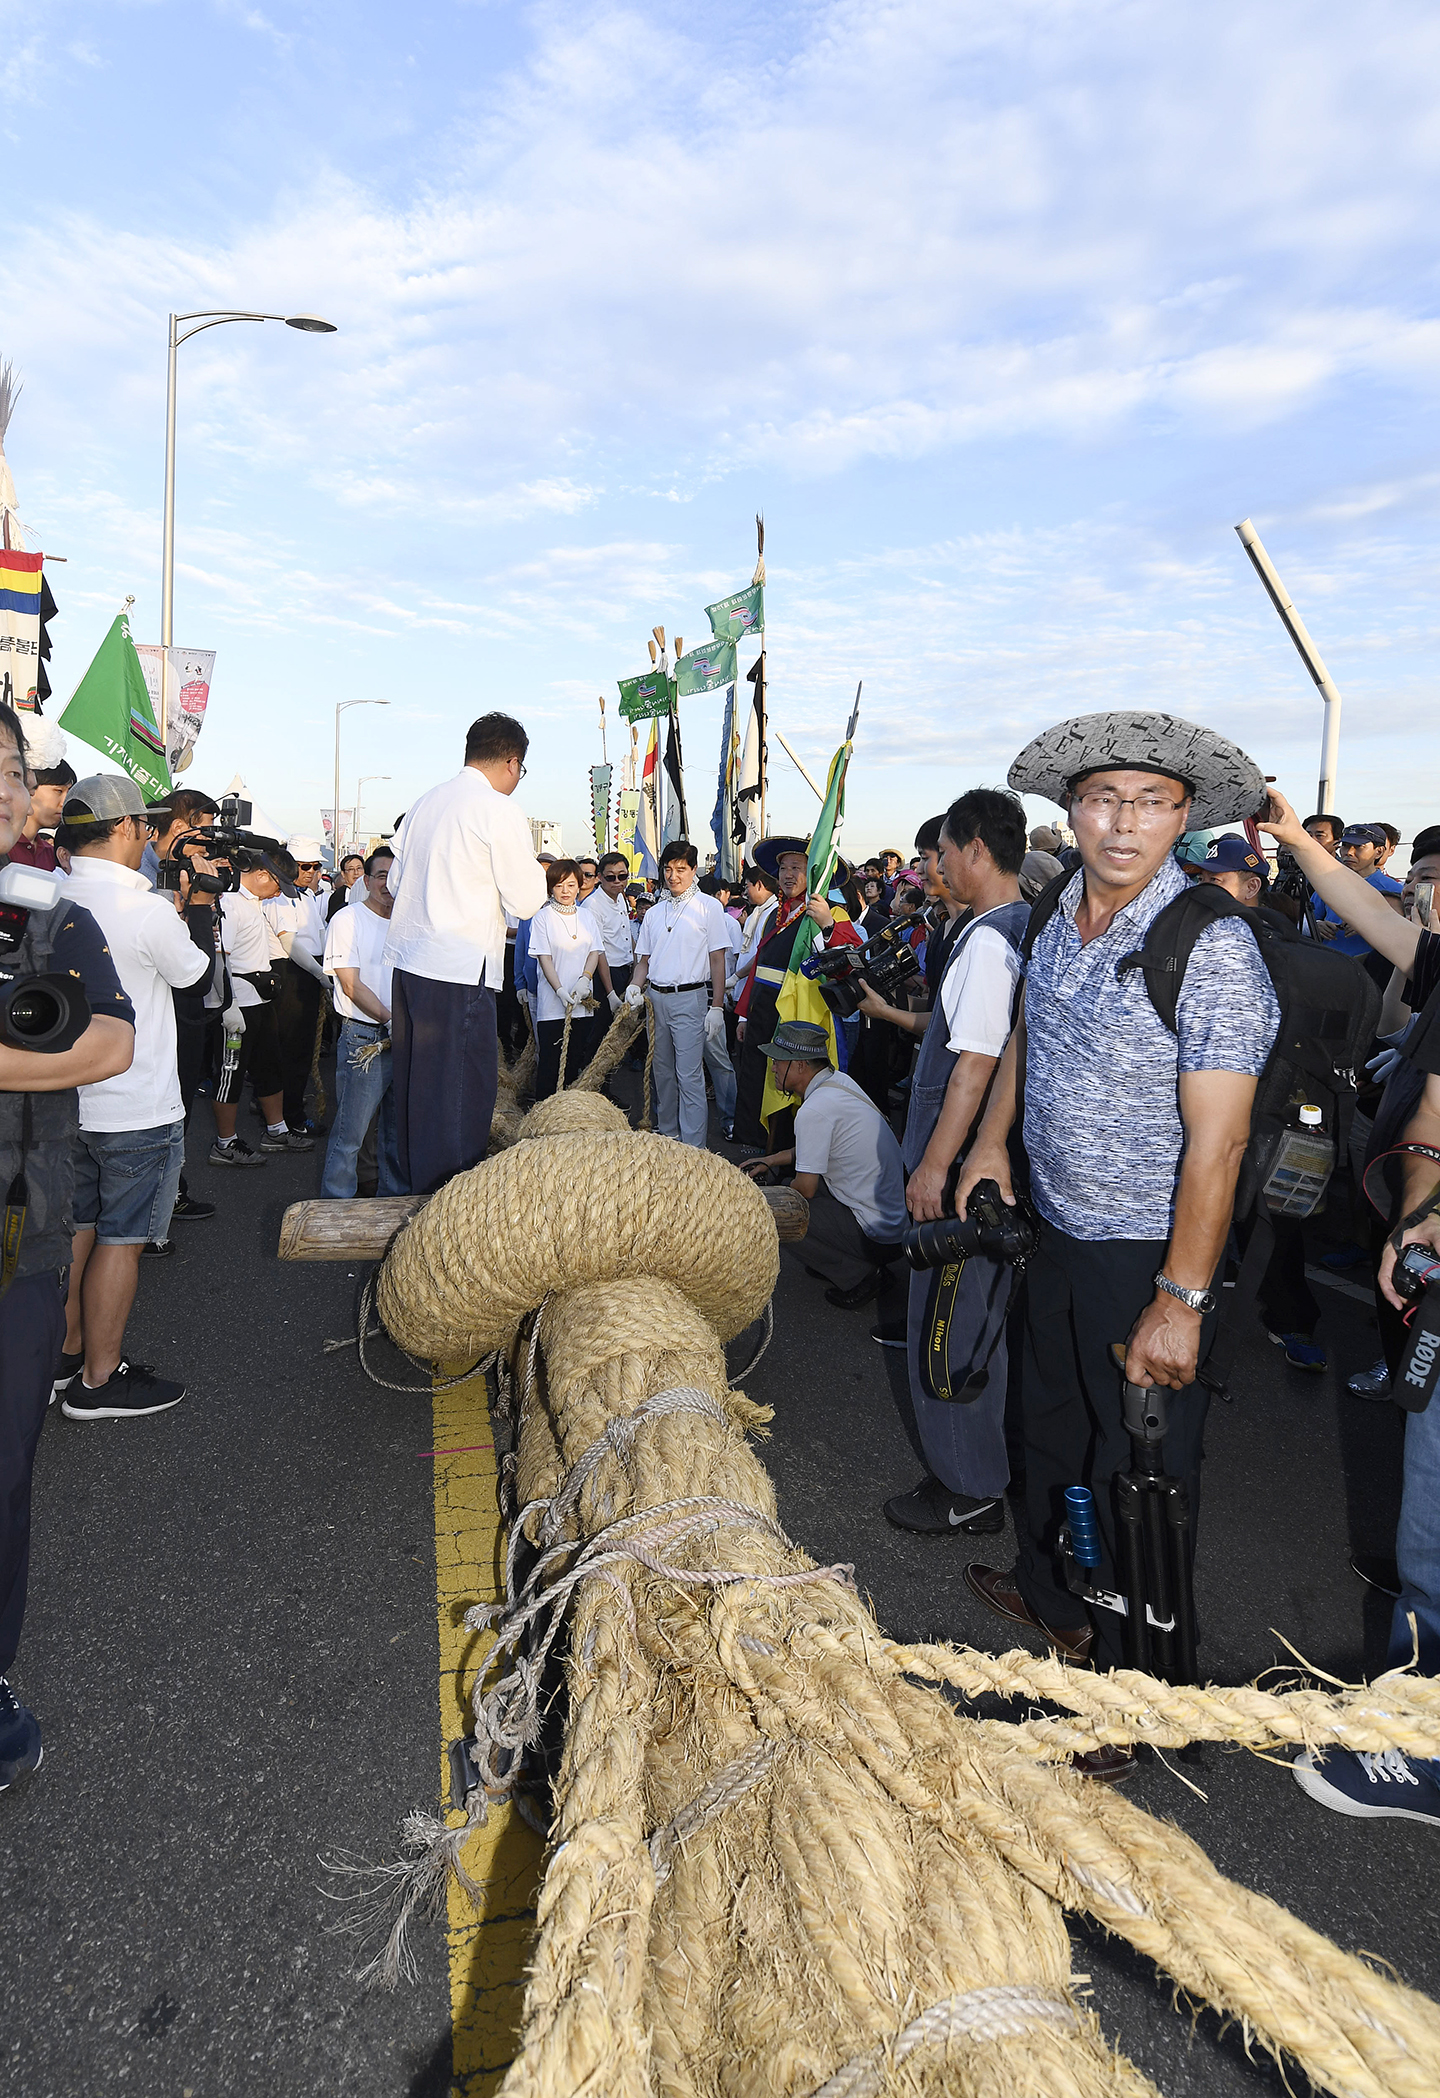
x,y
231,1644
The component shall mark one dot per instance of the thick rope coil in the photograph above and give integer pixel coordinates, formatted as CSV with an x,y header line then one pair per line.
x,y
316,1080
1002,2013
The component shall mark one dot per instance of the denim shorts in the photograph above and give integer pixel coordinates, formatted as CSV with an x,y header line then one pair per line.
x,y
126,1181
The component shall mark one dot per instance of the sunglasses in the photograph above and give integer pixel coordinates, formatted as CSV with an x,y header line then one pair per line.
x,y
307,866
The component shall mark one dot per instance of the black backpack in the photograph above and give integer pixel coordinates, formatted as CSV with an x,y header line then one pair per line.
x,y
1329,1009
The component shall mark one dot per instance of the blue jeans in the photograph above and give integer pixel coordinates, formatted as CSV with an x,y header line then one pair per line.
x,y
361,1091
1417,1543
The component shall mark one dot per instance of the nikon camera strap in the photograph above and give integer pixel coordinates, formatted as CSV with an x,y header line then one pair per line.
x,y
935,1328
17,1202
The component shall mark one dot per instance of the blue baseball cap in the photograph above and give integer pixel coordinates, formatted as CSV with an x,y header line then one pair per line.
x,y
1233,855
1364,834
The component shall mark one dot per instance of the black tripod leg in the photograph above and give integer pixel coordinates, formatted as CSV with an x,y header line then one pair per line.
x,y
1177,1524
1131,1522
1158,1572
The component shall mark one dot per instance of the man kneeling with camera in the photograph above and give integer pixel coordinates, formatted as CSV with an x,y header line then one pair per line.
x,y
64,1022
857,1218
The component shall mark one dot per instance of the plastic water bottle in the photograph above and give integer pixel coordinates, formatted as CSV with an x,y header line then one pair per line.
x,y
230,1056
1301,1167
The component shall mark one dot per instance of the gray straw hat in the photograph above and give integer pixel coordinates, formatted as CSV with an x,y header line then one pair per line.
x,y
1227,786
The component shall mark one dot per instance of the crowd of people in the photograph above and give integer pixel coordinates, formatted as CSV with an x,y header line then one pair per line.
x,y
1106,1022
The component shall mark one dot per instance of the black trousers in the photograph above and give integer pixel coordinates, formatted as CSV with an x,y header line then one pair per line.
x,y
548,1036
32,1333
296,1010
510,1024
1080,1296
446,1066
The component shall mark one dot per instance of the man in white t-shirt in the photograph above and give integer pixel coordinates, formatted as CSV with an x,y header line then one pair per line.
x,y
464,857
298,922
959,1337
364,1084
250,946
847,1165
132,1128
681,956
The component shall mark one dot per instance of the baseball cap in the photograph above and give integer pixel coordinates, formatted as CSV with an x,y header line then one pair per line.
x,y
1233,855
101,799
799,1040
1363,834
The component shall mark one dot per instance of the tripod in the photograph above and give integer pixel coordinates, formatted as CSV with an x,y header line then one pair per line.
x,y
1153,1522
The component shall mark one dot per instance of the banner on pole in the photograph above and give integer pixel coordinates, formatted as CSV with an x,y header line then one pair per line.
x,y
20,583
625,825
191,672
600,793
706,668
641,698
726,824
743,612
111,711
649,816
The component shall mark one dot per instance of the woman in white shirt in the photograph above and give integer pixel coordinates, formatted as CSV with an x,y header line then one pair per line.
x,y
567,944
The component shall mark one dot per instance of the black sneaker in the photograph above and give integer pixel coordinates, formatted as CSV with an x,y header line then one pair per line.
x,y
69,1369
286,1140
130,1390
188,1211
20,1747
932,1510
238,1153
158,1249
863,1293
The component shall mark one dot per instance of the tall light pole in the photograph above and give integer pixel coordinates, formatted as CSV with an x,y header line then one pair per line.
x,y
341,705
360,786
308,324
1309,655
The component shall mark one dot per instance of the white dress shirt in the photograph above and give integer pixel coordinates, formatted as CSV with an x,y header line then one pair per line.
x,y
463,858
153,954
678,935
613,919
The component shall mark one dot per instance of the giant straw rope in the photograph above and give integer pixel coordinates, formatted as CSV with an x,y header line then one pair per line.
x,y
780,1864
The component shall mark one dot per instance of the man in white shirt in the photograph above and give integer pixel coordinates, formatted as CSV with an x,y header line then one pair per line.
x,y
251,947
607,906
847,1166
681,956
132,1128
299,923
463,858
355,960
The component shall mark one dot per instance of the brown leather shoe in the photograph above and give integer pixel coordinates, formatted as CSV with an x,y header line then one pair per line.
x,y
1108,1766
998,1592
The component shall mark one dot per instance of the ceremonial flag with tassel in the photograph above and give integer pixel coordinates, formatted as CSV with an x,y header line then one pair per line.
x,y
111,711
647,816
800,997
677,821
726,826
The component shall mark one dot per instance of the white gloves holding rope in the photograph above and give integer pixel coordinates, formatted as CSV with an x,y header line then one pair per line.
x,y
577,999
635,996
715,1026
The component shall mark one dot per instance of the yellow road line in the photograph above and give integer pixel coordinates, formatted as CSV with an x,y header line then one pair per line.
x,y
488,1950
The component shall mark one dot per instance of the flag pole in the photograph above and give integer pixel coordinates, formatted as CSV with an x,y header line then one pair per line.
x,y
798,766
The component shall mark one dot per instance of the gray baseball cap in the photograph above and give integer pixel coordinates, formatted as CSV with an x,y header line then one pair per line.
x,y
101,798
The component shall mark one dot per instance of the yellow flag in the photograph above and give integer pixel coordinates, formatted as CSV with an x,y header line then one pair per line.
x,y
799,999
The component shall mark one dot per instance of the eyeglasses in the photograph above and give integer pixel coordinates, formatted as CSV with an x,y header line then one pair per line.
x,y
615,874
1149,808
521,773
307,866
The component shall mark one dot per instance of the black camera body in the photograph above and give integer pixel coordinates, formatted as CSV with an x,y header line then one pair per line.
x,y
45,1013
1416,1277
887,963
991,1226
1289,878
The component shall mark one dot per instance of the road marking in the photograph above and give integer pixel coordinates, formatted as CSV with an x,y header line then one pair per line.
x,y
1346,1289
488,1951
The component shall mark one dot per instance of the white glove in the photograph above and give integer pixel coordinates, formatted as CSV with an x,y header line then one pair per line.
x,y
635,996
232,1020
614,998
715,1026
524,997
584,989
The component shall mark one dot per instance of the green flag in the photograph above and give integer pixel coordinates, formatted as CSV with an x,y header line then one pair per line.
x,y
705,668
111,711
640,697
736,616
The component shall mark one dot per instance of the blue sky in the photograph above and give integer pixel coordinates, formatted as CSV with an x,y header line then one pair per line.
x,y
1003,317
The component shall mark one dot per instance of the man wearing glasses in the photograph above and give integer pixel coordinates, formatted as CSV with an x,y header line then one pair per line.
x,y
607,906
1134,1137
464,856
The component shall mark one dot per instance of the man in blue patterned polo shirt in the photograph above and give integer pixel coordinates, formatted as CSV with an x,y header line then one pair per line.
x,y
1134,1135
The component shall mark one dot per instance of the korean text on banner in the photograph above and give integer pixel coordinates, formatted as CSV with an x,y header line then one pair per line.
x,y
20,583
600,793
732,618
111,711
641,698
192,671
706,668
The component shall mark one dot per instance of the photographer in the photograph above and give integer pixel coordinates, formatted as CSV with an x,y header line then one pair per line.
x,y
174,825
39,1123
1363,848
1134,1137
857,1218
981,847
184,810
132,1129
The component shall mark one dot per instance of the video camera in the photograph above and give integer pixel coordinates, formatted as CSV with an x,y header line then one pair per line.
x,y
1289,878
231,840
991,1225
43,1013
887,963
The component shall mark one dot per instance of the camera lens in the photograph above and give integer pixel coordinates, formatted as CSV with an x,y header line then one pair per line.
x,y
35,1013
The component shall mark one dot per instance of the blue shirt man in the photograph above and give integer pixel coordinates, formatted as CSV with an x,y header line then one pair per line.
x,y
1362,847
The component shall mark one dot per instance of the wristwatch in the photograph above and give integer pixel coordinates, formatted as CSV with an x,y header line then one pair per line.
x,y
1201,1300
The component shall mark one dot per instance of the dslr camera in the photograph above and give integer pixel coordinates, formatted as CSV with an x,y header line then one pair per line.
x,y
231,840
44,1013
887,963
1416,1277
991,1226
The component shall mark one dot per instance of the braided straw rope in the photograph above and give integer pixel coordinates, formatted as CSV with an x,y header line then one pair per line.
x,y
780,1864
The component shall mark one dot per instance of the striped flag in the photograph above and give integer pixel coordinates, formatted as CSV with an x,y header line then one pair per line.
x,y
20,586
111,711
647,820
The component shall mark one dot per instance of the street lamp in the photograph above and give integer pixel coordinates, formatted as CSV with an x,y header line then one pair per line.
x,y
308,324
360,785
340,707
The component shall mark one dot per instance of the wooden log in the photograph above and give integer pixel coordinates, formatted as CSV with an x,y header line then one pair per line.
x,y
362,1229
